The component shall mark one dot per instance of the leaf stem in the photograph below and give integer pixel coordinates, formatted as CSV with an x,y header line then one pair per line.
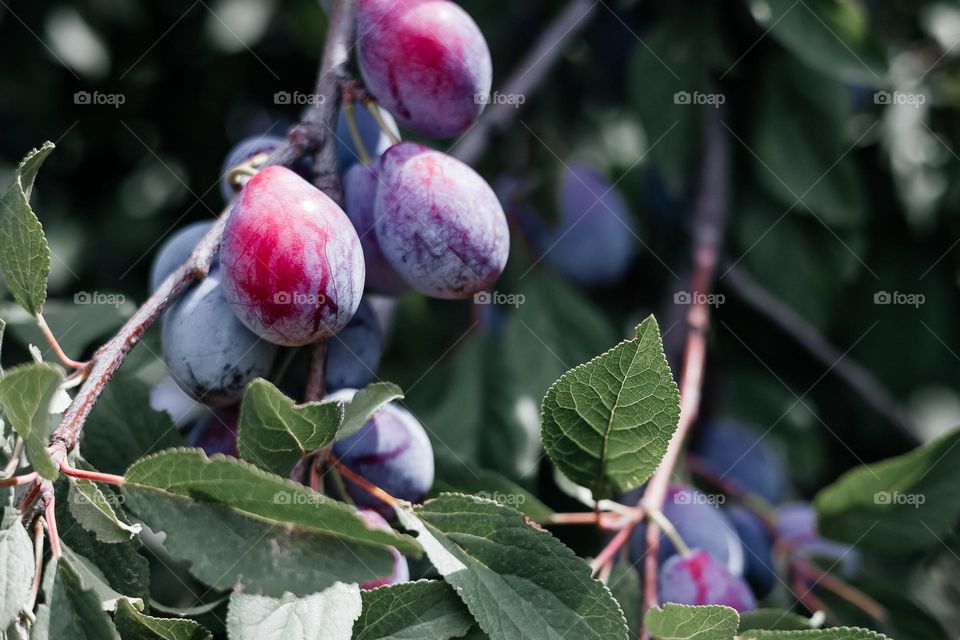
x,y
55,345
363,483
38,563
16,481
95,476
14,461
49,504
670,531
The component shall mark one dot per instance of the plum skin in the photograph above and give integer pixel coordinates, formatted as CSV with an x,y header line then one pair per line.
x,y
243,151
758,544
439,223
739,455
392,451
292,263
701,579
217,433
175,251
426,61
210,354
401,571
354,354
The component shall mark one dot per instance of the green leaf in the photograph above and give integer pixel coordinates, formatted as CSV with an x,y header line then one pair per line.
x,y
123,428
684,622
134,625
76,326
772,619
518,581
328,615
75,612
93,510
252,492
25,395
3,326
897,506
25,257
421,610
275,432
627,588
607,423
16,571
93,580
829,35
367,402
834,633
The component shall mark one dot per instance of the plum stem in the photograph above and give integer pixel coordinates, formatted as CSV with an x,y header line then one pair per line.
x,y
363,483
657,516
374,110
350,114
317,377
55,345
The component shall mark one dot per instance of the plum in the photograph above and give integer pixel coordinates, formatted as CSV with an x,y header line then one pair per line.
x,y
700,524
594,241
175,251
374,139
292,263
426,61
392,451
439,223
701,579
797,526
758,545
217,433
401,572
738,454
354,354
360,185
208,351
240,153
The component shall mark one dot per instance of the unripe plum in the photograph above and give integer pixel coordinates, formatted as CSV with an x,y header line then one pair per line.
x,y
401,571
740,455
700,523
391,451
758,547
292,263
701,579
217,433
594,242
439,223
426,61
354,354
175,251
360,185
240,153
208,351
374,139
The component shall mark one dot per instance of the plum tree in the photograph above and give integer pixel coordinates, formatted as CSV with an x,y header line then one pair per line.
x,y
392,451
740,455
292,263
217,432
700,579
375,140
700,523
758,547
354,354
175,251
208,351
439,223
401,571
240,153
426,61
360,184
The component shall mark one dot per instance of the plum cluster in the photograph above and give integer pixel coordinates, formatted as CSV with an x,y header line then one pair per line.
x,y
294,268
734,550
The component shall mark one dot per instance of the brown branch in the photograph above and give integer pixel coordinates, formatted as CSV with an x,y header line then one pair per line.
x,y
526,78
791,323
709,222
316,378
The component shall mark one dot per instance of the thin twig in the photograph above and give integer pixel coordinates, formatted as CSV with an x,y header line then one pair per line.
x,y
55,345
95,476
49,509
38,564
316,378
846,591
14,461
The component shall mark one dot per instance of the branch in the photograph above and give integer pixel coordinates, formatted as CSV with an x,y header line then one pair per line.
x,y
860,380
709,222
526,78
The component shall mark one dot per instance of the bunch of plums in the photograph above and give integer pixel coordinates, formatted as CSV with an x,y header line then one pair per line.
x,y
295,268
731,560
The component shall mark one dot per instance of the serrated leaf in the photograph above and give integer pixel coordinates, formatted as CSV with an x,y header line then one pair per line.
x,y
626,587
607,423
25,256
685,622
25,395
16,571
123,428
74,611
93,580
367,402
834,633
518,581
328,615
421,610
252,492
134,625
773,619
275,432
895,506
92,509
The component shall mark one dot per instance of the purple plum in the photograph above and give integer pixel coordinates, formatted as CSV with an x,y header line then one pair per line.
x,y
701,579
